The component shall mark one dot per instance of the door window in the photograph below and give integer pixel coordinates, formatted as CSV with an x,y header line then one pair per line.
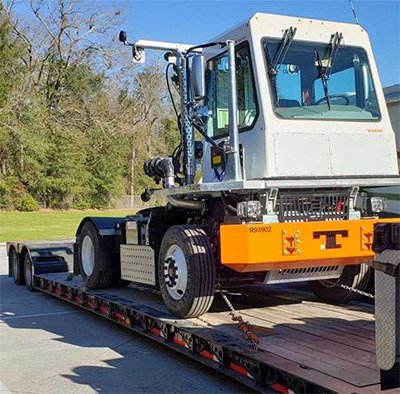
x,y
218,90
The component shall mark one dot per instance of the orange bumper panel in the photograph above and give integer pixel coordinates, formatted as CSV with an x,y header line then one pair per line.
x,y
263,246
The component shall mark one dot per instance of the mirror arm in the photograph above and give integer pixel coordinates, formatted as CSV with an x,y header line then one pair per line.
x,y
210,44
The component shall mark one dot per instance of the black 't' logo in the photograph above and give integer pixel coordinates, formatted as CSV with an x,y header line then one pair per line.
x,y
331,237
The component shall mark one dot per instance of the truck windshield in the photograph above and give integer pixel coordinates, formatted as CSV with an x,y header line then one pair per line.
x,y
297,86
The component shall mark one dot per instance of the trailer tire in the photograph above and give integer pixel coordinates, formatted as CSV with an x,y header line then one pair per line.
x,y
356,276
28,272
92,260
17,269
186,271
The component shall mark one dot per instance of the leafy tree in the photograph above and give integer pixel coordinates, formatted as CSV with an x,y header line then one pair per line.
x,y
74,131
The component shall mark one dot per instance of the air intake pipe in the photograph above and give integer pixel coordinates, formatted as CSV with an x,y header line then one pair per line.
x,y
186,204
161,168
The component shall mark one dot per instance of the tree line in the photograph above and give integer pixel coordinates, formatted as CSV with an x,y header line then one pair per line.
x,y
77,120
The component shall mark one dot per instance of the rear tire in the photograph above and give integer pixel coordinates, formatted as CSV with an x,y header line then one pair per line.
x,y
17,269
186,271
356,276
92,260
28,272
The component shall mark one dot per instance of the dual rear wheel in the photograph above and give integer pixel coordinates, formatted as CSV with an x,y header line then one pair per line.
x,y
22,269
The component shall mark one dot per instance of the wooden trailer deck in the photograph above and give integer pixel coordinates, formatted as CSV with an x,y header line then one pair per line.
x,y
329,346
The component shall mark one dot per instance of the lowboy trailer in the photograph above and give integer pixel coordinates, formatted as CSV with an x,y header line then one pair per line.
x,y
294,129
281,339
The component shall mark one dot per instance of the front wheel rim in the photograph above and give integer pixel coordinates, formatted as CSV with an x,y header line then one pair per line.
x,y
87,255
175,272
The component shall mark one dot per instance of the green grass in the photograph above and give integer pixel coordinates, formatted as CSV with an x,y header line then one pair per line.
x,y
46,225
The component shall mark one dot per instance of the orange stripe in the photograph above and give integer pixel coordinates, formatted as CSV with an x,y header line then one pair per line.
x,y
179,342
238,368
155,331
103,309
280,388
119,316
206,354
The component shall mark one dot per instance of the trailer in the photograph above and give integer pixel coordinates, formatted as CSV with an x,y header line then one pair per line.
x,y
278,339
294,129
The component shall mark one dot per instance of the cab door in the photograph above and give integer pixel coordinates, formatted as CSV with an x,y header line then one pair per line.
x,y
217,79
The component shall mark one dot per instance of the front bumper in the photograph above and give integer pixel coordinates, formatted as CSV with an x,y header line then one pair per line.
x,y
255,247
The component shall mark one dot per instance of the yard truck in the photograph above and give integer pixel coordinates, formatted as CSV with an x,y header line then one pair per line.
x,y
292,128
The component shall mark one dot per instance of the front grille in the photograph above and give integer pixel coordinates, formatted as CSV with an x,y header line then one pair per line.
x,y
312,207
302,274
308,270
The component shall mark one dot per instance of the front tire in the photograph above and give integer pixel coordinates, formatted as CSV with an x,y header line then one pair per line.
x,y
186,271
356,276
92,260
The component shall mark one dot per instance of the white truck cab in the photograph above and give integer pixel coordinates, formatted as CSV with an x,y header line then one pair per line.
x,y
288,126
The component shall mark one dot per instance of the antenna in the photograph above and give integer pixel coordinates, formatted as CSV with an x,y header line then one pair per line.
x,y
354,12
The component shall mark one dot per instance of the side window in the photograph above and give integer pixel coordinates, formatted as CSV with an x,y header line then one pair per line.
x,y
217,93
288,82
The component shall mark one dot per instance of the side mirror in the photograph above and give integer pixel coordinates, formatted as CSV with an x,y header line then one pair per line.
x,y
198,77
122,36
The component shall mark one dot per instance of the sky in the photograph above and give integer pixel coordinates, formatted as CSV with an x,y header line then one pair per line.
x,y
196,21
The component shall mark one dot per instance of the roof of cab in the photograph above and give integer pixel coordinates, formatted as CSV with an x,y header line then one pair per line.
x,y
277,17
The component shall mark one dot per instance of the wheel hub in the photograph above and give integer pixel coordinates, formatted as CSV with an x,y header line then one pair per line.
x,y
171,268
175,272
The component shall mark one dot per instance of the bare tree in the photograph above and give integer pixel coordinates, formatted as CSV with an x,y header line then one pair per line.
x,y
63,33
146,109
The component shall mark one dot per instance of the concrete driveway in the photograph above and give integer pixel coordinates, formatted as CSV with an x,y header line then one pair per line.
x,y
49,346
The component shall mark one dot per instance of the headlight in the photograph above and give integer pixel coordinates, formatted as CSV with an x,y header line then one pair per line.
x,y
249,209
376,204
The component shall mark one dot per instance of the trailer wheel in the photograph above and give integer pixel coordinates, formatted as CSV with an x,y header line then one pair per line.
x,y
92,260
17,270
356,276
28,272
186,271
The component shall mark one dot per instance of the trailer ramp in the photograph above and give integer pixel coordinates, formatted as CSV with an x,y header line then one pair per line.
x,y
317,347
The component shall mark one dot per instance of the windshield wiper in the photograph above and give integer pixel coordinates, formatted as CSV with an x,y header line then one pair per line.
x,y
279,57
325,71
324,78
282,50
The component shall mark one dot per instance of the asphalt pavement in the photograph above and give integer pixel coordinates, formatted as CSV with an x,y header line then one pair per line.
x,y
49,346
